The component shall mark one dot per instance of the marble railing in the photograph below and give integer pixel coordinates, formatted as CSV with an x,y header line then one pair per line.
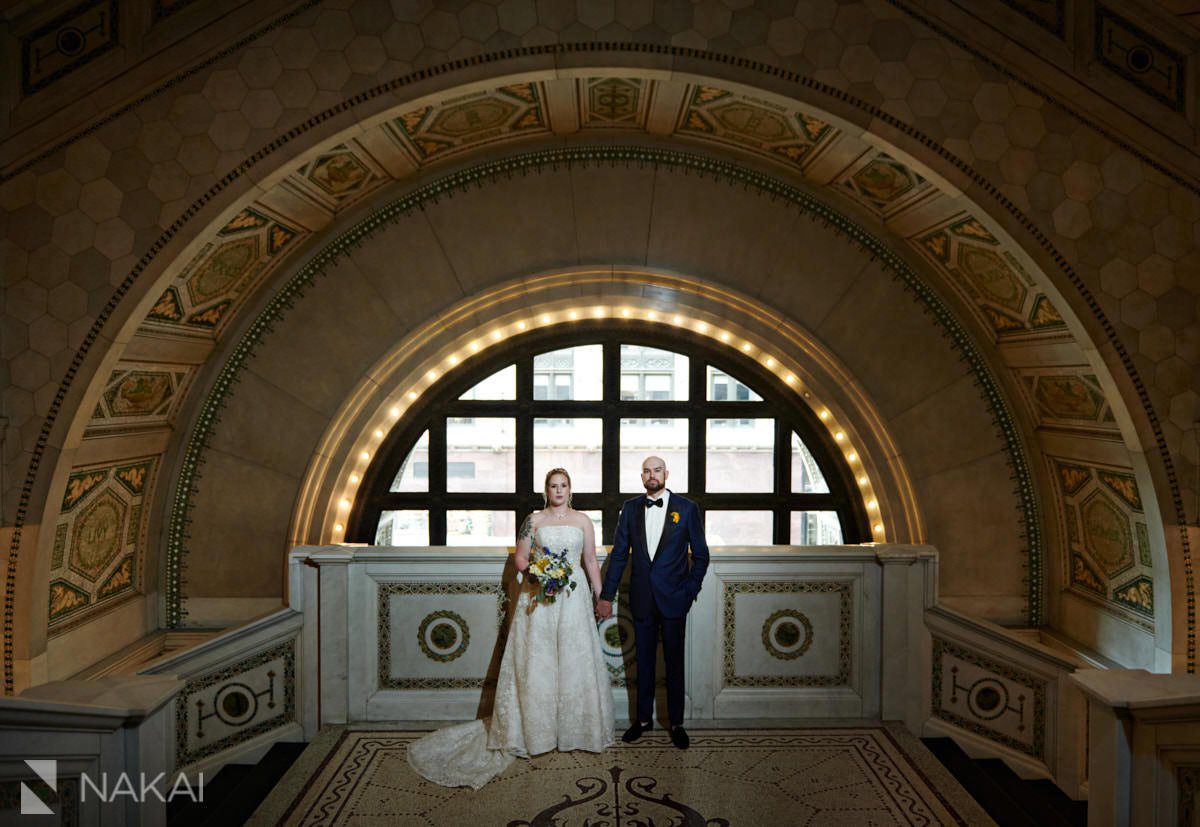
x,y
1003,694
391,635
240,693
119,747
812,632
1144,761
68,747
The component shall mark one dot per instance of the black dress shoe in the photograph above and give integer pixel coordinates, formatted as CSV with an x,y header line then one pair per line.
x,y
635,731
679,737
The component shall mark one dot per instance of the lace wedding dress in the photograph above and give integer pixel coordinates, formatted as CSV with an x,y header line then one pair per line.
x,y
553,691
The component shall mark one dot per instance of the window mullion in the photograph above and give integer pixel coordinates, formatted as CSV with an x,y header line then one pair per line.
x,y
524,429
610,458
697,438
437,479
783,479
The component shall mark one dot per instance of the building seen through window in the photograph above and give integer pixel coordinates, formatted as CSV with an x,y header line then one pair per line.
x,y
472,464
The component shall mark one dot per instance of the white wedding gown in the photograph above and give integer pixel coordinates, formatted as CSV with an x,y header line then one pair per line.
x,y
553,691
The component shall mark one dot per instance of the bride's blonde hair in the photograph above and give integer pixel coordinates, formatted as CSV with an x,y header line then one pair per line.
x,y
553,472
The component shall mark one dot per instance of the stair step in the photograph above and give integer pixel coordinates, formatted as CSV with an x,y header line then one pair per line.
x,y
1028,797
994,798
1071,811
194,813
241,802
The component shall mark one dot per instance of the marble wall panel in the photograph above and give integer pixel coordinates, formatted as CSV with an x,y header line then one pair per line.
x,y
437,635
996,700
788,633
231,705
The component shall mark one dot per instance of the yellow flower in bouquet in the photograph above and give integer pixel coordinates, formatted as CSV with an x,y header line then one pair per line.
x,y
553,572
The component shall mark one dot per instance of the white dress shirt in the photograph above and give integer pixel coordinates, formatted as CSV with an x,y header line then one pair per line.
x,y
656,518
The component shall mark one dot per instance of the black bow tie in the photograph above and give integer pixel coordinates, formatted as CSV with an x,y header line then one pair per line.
x,y
653,503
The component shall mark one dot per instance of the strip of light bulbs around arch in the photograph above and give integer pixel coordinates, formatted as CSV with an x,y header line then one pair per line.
x,y
514,325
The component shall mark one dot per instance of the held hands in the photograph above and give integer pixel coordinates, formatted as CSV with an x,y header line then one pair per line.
x,y
603,609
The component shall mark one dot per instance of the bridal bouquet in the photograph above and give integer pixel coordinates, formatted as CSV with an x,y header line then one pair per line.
x,y
553,571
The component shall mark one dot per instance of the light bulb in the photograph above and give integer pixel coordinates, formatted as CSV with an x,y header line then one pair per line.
x,y
496,334
770,362
339,527
379,433
545,318
746,347
702,327
851,457
453,359
878,528
353,479
862,481
791,380
521,325
412,394
872,505
824,415
344,503
573,315
365,455
839,436
652,316
678,319
395,412
474,347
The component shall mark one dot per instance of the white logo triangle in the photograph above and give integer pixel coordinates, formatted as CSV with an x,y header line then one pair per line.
x,y
47,770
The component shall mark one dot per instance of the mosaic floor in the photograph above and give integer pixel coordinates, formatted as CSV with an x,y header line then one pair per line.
x,y
854,776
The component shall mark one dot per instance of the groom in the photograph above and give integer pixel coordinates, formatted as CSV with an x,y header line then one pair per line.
x,y
658,528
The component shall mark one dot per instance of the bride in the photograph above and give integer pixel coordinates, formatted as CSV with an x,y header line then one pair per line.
x,y
553,691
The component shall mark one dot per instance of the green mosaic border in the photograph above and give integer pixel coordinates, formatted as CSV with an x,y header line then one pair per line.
x,y
539,161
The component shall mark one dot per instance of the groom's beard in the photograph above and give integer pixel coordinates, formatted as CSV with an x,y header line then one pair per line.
x,y
654,487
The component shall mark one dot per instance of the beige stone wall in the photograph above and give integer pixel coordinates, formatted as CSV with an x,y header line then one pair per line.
x,y
1104,208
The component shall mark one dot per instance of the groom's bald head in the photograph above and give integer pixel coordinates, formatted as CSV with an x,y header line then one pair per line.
x,y
654,474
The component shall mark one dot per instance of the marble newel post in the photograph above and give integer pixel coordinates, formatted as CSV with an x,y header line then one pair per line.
x,y
1144,746
909,586
333,613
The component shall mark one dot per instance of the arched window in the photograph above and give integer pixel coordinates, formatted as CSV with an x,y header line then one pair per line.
x,y
468,462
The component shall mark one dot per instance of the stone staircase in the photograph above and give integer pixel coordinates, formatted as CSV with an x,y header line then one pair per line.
x,y
1008,799
236,791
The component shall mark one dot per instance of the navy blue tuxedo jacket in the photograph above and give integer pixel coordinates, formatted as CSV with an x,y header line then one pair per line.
x,y
670,581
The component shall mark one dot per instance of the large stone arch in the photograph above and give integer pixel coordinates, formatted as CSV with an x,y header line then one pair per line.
x,y
967,201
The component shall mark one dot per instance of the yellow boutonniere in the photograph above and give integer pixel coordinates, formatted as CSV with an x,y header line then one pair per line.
x,y
674,516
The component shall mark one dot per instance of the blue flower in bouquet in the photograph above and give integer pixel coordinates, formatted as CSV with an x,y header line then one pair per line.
x,y
553,572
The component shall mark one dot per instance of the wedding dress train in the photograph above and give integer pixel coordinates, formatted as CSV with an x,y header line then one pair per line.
x,y
553,691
